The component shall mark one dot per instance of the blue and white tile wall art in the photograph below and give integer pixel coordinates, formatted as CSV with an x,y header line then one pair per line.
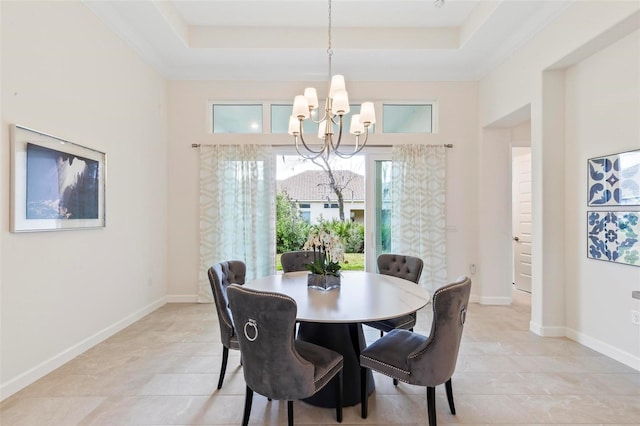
x,y
613,237
614,180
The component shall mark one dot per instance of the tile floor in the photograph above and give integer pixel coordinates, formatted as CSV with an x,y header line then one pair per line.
x,y
163,370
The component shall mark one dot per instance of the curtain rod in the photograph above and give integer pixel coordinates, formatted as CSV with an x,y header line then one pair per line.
x,y
198,145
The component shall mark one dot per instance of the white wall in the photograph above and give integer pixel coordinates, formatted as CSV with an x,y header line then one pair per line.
x,y
603,117
584,26
535,76
521,137
189,116
65,74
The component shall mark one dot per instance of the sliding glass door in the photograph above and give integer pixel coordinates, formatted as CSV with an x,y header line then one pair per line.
x,y
378,208
365,185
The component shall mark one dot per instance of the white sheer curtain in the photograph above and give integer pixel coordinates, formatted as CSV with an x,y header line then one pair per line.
x,y
418,221
237,210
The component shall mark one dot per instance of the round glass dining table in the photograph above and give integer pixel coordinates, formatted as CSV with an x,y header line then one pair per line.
x,y
333,318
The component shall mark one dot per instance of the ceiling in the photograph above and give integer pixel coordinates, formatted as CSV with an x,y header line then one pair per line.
x,y
372,40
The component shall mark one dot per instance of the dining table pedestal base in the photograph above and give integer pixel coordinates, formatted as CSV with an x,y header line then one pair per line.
x,y
348,340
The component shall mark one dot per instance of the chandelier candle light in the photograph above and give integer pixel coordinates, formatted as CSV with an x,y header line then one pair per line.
x,y
335,107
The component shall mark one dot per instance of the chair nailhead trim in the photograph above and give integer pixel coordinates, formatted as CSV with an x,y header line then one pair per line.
x,y
386,365
435,296
328,371
266,293
282,296
215,298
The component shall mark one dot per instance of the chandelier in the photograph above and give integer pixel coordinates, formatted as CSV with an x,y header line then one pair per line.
x,y
331,123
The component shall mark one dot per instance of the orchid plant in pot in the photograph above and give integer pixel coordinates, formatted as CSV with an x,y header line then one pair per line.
x,y
328,253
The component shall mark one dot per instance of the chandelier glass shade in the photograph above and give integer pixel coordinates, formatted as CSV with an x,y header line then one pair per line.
x,y
330,124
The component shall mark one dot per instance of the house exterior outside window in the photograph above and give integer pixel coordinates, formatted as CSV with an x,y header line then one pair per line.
x,y
317,201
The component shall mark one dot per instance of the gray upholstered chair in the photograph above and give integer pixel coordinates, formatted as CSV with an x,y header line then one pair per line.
x,y
221,275
296,260
275,364
408,268
419,360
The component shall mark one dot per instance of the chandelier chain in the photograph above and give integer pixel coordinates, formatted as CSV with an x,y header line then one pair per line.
x,y
336,107
329,47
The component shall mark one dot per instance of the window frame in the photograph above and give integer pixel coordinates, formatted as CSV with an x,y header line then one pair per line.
x,y
434,116
266,115
378,128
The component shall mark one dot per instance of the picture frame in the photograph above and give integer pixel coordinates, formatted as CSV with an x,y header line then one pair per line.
x,y
614,236
614,180
55,184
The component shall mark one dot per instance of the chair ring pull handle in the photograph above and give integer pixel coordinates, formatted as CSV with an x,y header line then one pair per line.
x,y
463,315
251,323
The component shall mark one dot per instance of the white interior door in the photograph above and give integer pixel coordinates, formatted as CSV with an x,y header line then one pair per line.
x,y
521,172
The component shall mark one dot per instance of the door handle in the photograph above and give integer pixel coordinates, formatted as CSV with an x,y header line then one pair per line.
x,y
516,238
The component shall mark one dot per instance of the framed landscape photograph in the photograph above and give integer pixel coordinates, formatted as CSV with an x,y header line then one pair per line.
x,y
55,184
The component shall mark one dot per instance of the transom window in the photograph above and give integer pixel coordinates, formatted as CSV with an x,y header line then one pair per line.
x,y
247,118
407,118
237,118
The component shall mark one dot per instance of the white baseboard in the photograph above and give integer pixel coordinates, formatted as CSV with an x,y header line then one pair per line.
x,y
182,298
25,379
588,341
604,348
546,331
